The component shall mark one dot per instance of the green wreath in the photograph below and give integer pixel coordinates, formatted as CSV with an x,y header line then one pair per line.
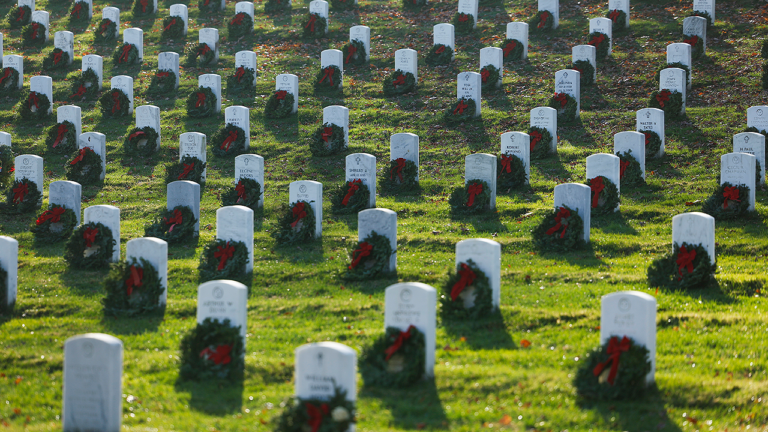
x,y
336,413
19,16
414,4
354,53
105,32
9,82
340,5
79,13
400,177
173,27
90,247
141,141
188,168
57,59
247,192
7,158
200,55
212,350
398,83
586,71
295,224
223,259
5,308
756,130
605,199
395,359
239,26
764,78
601,42
125,55
703,14
201,103
630,172
163,82
62,138
370,259
350,197
208,6
542,21
619,18
540,142
174,225
133,288
764,49
228,141
23,197
114,103
472,198
513,50
696,43
240,83
439,55
276,6
461,111
733,207
671,102
674,65
561,231
467,276
34,105
54,225
33,34
463,23
142,8
328,139
685,268
85,167
511,172
328,78
314,26
596,379
489,76
565,105
86,85
652,143
279,104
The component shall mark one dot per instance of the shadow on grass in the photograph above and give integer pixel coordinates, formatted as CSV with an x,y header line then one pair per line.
x,y
183,250
486,333
414,407
215,397
614,223
283,130
648,412
307,252
132,325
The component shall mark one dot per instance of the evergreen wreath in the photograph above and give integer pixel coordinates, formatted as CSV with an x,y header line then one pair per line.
x,y
34,105
615,371
54,225
350,197
605,195
19,16
472,198
295,224
125,55
6,165
674,65
9,82
85,167
460,111
314,26
173,27
630,172
619,18
79,12
133,288
560,231
142,8
466,277
703,14
727,202
696,43
62,138
513,50
354,53
90,247
188,168
328,78
565,105
247,192
586,71
687,267
370,258
174,225
240,83
756,130
511,171
240,25
276,6
601,42
141,141
400,177
201,103
669,101
57,59
114,103
223,259
200,55
228,141
414,4
439,55
340,5
335,414
764,78
764,49
279,104
212,350
395,359
33,34
398,83
208,6
5,308
541,142
162,82
542,21
652,143
463,23
105,32
86,85
489,77
328,139
23,196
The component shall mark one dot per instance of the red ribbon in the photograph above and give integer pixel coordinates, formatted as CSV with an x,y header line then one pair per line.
x,y
460,107
614,15
561,97
224,253
474,190
33,100
732,194
238,19
597,186
440,49
401,338
134,280
692,41
280,94
143,4
364,249
200,100
228,142
187,169
116,102
327,133
506,163
329,74
399,80
624,166
19,192
240,189
562,213
299,213
104,26
135,134
6,74
80,155
89,235
22,12
535,138
398,169
57,57
163,74
311,23
647,137
663,97
124,54
354,185
543,19
467,277
170,24
239,73
463,17
35,26
174,220
76,9
615,348
509,47
218,355
351,50
54,215
60,134
316,415
484,74
685,260
204,50
597,40
79,93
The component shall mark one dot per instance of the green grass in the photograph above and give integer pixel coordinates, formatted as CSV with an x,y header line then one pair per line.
x,y
711,371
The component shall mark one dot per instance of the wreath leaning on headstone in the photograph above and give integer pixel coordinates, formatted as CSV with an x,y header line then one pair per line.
x,y
469,279
188,168
247,192
540,142
673,65
173,27
133,288
703,14
328,78
542,21
90,246
142,8
328,139
54,225
401,177
560,231
223,259
414,4
696,43
472,198
240,25
586,71
652,143
9,81
34,105
601,42
354,53
463,23
395,359
125,55
240,83
615,371
489,77
141,141
619,18
370,258
23,196
173,226
565,105
350,197
33,34
605,195
19,16
228,141
511,171
314,26
212,350
687,267
162,82
56,59
85,167
200,55
334,414
201,103
5,308
669,101
105,31
727,202
513,50
279,104
276,6
295,224
6,165
209,6
439,55
398,83
114,103
630,172
79,13
460,111
62,137
85,85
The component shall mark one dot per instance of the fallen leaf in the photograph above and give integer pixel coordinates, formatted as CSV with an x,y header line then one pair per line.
x,y
525,343
506,420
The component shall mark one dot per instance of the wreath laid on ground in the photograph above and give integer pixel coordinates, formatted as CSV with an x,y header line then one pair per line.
x,y
212,350
542,21
247,192
142,8
240,25
173,226
240,83
34,105
163,82
674,65
314,26
630,172
7,158
276,6
57,59
460,111
565,105
133,288
541,142
463,23
4,306
398,83
513,50
489,77
395,359
106,31
652,143
201,103
605,195
468,278
54,225
756,130
439,55
23,196
295,224
335,414
125,55
33,34
9,82
19,16
85,167
350,197
79,13
619,18
601,42
401,177
615,371
727,202
62,138
173,27
354,53
114,103
414,4
228,141
687,267
91,246
586,71
703,14
328,78
188,168
561,231
84,86
696,43
200,55
370,259
328,139
279,105
222,259
208,6
472,198
669,101
141,141
511,171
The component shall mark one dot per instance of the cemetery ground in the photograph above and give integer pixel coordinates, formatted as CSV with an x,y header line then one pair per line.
x,y
512,371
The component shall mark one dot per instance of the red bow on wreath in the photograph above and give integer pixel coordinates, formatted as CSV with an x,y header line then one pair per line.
x,y
79,93
228,142
315,415
143,4
597,186
397,170
663,97
730,194
460,107
200,100
21,14
80,155
62,129
205,49
440,49
647,137
692,41
76,10
6,74
299,213
685,260
354,185
328,74
19,192
614,15
364,249
615,348
218,355
103,27
224,253
399,80
484,74
35,26
463,17
281,94
543,19
398,343
474,190
562,98
57,57
624,165
578,69
33,100
174,220
535,138
351,51
89,236
238,19
562,213
187,169
53,215
239,73
311,23
115,101
134,279
327,133
240,189
135,134
163,74
124,54
506,163
509,47
467,276
170,24
597,40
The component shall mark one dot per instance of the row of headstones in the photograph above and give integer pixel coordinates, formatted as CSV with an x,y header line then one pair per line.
x,y
553,7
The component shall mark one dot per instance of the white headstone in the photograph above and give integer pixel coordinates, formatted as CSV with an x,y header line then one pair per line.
x,y
673,79
149,115
112,14
97,142
333,57
194,144
605,26
235,223
244,7
109,216
546,118
15,62
5,139
631,314
707,6
606,165
124,83
518,144
180,10
9,261
213,82
468,85
553,6
754,144
405,145
413,304
96,64
29,167
155,251
185,193
65,41
30,3
239,116
495,57
339,116
210,37
68,194
363,34
384,222
93,373
486,254
482,166
248,60
651,119
362,166
42,17
568,81
469,7
407,60
681,53
588,53
757,117
251,166
695,229
224,299
696,26
1,46
443,34
43,85
289,83
577,197
622,5
169,62
311,192
135,37
738,169
320,7
519,31
72,114
320,366
634,142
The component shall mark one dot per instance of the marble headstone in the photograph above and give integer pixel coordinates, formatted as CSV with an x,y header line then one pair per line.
x,y
694,228
289,83
578,197
482,166
606,165
311,192
194,144
519,32
97,142
239,116
383,222
9,261
486,254
568,81
185,193
67,194
546,118
405,145
633,143
738,169
362,166
414,304
224,299
468,86
251,166
518,144
235,223
631,314
155,251
651,119
754,144
109,216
